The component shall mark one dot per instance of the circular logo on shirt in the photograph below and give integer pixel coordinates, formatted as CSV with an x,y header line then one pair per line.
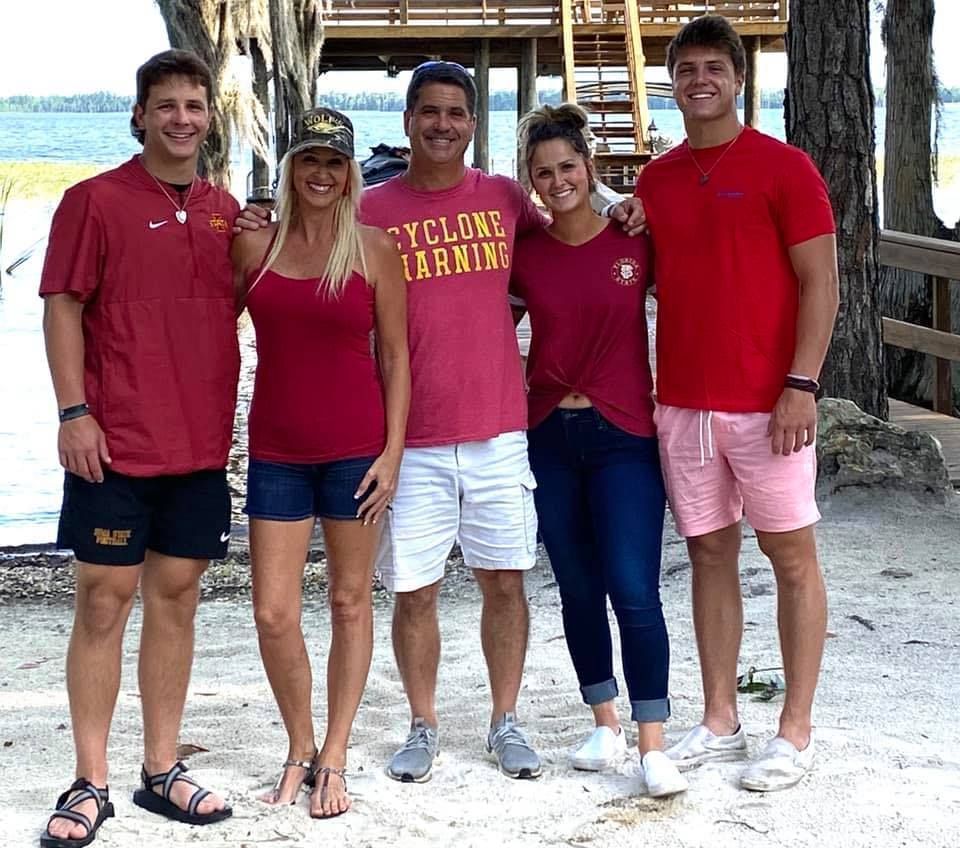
x,y
626,272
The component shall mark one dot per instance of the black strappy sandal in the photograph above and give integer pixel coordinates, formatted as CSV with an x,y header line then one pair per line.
x,y
323,776
86,791
309,779
163,806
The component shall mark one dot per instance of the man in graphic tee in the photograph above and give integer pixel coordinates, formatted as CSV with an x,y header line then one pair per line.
x,y
465,476
140,328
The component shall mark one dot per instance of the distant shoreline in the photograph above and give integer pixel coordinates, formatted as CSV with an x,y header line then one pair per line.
x,y
99,102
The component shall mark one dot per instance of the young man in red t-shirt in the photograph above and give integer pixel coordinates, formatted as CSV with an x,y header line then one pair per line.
x,y
140,327
746,272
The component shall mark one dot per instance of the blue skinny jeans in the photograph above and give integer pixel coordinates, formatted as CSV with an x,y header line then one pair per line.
x,y
600,501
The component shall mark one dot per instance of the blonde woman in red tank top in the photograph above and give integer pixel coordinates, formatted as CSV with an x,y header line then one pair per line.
x,y
327,425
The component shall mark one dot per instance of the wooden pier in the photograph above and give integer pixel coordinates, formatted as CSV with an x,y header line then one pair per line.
x,y
944,428
599,48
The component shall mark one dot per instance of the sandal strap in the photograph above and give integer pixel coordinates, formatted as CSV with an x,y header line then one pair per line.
x,y
166,779
326,771
304,764
71,815
82,790
195,800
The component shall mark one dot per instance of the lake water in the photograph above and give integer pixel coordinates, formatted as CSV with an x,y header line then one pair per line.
x,y
30,477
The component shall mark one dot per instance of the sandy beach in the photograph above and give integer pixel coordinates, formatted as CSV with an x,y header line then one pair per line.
x,y
887,772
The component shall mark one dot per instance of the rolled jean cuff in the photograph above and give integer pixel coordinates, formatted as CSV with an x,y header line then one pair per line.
x,y
645,711
599,693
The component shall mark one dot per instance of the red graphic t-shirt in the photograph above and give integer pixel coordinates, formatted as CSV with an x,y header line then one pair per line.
x,y
727,294
588,324
457,251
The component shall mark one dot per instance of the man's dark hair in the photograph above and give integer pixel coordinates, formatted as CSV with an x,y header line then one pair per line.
x,y
170,63
709,31
448,73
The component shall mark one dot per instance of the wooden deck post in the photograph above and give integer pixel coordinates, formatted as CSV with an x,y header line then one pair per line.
x,y
751,85
527,77
569,71
481,73
526,90
942,374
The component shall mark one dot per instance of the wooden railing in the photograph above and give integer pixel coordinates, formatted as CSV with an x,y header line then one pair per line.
x,y
941,261
544,12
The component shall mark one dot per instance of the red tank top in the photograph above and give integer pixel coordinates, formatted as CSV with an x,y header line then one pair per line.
x,y
317,394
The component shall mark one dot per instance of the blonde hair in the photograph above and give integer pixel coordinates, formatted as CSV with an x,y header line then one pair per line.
x,y
568,121
347,250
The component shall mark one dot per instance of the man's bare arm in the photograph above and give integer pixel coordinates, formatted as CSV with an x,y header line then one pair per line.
x,y
793,423
81,443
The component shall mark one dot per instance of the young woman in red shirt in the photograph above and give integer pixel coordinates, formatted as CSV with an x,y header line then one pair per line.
x,y
593,449
327,425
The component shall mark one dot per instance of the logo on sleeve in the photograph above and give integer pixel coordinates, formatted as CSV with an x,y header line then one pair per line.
x,y
626,272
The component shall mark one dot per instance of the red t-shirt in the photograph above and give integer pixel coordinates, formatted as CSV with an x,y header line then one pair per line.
x,y
457,250
727,294
161,357
588,324
317,395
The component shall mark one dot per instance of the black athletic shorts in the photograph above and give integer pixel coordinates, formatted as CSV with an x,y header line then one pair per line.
x,y
116,521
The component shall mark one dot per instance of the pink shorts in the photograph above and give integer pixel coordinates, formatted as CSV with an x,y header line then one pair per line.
x,y
718,467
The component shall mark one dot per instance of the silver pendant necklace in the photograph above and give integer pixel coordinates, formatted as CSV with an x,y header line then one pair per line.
x,y
181,213
705,175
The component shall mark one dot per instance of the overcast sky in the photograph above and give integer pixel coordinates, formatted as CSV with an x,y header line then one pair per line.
x,y
70,47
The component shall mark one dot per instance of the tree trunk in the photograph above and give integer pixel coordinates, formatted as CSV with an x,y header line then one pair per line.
x,y
908,184
830,115
205,27
261,187
296,34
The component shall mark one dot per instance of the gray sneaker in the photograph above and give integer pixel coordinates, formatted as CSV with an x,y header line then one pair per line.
x,y
511,748
413,762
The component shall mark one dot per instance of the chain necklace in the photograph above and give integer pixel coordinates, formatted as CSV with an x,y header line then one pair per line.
x,y
181,213
705,175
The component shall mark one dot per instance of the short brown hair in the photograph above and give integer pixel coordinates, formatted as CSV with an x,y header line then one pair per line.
x,y
447,73
170,63
709,31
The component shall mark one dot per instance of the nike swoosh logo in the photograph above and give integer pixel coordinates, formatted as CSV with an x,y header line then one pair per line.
x,y
154,224
224,537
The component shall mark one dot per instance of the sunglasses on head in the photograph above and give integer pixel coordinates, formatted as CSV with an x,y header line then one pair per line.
x,y
439,63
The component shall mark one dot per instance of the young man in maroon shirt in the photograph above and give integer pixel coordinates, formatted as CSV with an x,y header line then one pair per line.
x,y
747,285
140,328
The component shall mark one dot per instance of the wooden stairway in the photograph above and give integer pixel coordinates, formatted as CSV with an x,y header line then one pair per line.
x,y
603,71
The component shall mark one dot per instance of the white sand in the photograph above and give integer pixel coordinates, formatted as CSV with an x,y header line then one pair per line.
x,y
887,774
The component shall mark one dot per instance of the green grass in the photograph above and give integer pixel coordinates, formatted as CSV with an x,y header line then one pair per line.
x,y
45,180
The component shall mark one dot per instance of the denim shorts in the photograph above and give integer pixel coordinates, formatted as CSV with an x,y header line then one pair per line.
x,y
282,491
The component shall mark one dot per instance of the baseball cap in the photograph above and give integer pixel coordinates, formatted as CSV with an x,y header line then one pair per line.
x,y
322,127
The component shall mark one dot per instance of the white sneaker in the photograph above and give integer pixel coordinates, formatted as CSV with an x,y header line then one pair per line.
x,y
701,745
661,775
779,766
602,749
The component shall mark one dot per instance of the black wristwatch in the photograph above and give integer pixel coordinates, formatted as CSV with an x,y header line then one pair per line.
x,y
68,413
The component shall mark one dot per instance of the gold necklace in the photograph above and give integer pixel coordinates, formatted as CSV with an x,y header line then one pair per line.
x,y
181,213
705,175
